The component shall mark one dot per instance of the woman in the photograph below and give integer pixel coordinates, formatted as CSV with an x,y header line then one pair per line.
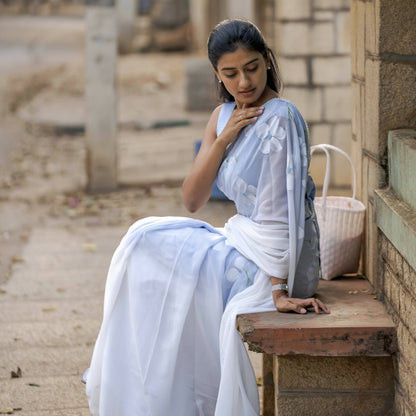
x,y
168,343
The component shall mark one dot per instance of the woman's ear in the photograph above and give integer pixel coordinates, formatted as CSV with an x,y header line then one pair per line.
x,y
268,60
217,76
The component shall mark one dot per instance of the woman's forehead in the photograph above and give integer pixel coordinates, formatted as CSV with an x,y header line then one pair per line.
x,y
240,57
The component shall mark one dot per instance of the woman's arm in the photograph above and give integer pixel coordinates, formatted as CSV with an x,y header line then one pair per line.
x,y
197,186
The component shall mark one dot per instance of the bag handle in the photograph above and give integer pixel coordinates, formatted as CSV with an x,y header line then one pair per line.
x,y
325,148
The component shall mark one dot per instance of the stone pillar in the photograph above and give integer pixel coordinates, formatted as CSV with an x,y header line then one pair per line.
x,y
268,385
126,23
199,23
101,114
384,93
383,86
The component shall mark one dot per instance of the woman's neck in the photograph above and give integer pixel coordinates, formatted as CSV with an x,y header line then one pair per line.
x,y
267,95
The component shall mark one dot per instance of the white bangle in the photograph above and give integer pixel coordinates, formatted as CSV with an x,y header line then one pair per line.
x,y
280,286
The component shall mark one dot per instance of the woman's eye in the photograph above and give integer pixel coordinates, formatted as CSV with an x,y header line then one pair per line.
x,y
230,75
252,69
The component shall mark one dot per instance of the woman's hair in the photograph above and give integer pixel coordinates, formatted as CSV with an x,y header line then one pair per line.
x,y
231,34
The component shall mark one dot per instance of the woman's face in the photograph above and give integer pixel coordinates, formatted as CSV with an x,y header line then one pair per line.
x,y
244,75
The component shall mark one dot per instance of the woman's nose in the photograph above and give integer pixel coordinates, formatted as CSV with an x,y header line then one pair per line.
x,y
244,81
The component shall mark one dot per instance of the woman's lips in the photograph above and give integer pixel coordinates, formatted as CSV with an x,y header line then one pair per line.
x,y
248,92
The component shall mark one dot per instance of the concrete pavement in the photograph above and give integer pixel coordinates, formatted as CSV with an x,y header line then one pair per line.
x,y
51,310
51,304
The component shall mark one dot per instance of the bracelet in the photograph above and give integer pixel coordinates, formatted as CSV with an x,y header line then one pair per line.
x,y
280,286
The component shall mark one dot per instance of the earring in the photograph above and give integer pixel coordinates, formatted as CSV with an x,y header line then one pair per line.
x,y
268,67
219,81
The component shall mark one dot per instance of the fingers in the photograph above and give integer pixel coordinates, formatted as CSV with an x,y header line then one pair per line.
x,y
323,306
285,304
317,305
248,115
300,309
301,306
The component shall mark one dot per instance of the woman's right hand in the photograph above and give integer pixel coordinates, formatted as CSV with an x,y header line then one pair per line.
x,y
197,186
239,119
284,303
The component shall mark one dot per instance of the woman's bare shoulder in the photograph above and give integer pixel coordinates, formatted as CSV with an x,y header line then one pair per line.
x,y
213,121
216,113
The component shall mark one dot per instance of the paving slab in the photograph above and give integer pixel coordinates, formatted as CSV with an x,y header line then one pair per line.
x,y
43,393
51,314
45,334
45,361
49,309
56,412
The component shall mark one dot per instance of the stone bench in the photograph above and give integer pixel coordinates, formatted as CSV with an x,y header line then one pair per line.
x,y
338,364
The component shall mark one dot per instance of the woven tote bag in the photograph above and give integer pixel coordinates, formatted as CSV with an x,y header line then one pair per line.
x,y
341,224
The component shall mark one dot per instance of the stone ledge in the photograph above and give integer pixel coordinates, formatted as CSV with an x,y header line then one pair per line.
x,y
322,365
357,326
402,164
397,221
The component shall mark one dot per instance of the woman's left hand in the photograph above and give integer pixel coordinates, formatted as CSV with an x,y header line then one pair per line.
x,y
285,304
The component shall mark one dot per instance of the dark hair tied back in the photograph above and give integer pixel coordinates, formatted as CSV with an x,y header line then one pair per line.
x,y
231,34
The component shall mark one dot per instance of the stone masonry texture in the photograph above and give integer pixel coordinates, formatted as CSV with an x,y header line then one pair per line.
x,y
399,289
313,42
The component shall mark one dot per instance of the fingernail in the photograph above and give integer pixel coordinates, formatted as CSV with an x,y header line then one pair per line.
x,y
303,310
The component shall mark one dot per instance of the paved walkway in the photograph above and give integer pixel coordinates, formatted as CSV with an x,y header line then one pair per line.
x,y
51,305
50,315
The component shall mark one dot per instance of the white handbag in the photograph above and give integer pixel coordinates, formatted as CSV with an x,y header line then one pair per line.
x,y
341,224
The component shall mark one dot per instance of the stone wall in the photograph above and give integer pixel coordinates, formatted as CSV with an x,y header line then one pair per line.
x,y
383,87
264,19
395,213
399,288
383,60
312,40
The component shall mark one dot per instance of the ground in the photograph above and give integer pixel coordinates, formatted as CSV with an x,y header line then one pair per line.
x,y
42,174
56,239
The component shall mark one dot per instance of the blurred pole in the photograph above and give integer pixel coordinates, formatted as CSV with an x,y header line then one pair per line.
x,y
101,117
126,20
199,11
